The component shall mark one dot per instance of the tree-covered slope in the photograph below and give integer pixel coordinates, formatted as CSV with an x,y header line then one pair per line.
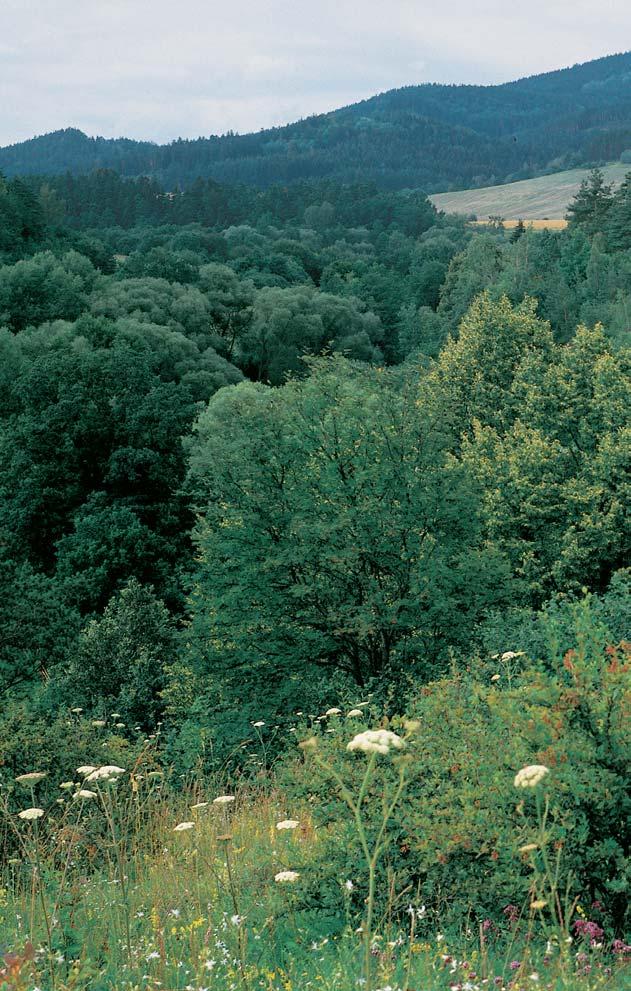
x,y
433,136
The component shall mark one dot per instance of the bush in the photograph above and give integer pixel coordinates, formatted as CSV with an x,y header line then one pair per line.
x,y
457,834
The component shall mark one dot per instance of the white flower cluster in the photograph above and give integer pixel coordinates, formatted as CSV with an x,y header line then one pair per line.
x,y
376,741
288,824
29,814
109,772
286,877
531,776
32,778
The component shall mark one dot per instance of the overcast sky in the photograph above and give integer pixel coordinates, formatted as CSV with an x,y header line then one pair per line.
x,y
159,69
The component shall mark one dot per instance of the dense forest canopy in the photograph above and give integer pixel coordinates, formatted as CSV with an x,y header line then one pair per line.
x,y
433,137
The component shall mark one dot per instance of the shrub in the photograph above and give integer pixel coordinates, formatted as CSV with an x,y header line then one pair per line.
x,y
457,835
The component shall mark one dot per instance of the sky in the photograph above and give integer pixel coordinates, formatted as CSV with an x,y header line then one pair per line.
x,y
161,69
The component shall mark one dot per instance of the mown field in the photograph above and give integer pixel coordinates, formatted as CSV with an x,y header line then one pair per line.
x,y
544,198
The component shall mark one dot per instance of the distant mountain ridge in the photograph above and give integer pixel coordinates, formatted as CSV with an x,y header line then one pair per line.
x,y
433,136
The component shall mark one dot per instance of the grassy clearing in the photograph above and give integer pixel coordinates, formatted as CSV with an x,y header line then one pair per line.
x,y
544,198
104,893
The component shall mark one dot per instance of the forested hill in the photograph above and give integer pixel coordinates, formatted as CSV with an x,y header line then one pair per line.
x,y
432,136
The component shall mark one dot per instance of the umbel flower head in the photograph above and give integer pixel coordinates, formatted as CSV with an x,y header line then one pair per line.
x,y
183,826
286,877
109,772
29,814
376,741
84,793
223,799
86,769
288,824
531,776
32,778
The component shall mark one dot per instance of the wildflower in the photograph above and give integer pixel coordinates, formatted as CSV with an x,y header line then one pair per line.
x,y
29,814
32,778
332,712
377,741
84,793
354,712
223,799
109,772
67,785
86,769
182,826
349,885
287,824
510,655
286,877
154,955
531,776
200,805
416,913
115,715
534,976
514,965
587,930
538,904
495,677
77,710
98,723
411,725
527,847
119,725
259,723
236,920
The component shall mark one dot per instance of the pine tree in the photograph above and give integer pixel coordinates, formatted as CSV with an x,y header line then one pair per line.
x,y
618,228
592,203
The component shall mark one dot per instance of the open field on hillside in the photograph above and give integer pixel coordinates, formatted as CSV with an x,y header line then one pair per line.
x,y
546,197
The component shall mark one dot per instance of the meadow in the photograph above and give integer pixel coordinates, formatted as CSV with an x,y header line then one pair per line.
x,y
123,882
545,198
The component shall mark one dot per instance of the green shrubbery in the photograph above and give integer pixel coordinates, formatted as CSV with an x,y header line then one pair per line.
x,y
456,835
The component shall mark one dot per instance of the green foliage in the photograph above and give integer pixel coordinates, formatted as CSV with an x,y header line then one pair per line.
x,y
458,831
555,479
334,531
592,203
44,288
120,658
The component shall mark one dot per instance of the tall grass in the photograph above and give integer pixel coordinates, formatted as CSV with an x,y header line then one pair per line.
x,y
107,894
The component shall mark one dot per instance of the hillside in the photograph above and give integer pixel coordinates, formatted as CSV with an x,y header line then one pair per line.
x,y
543,198
429,136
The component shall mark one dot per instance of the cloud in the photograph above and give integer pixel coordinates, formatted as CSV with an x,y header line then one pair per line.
x,y
154,69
